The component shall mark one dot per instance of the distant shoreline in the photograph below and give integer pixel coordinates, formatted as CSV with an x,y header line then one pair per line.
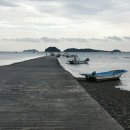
x,y
63,52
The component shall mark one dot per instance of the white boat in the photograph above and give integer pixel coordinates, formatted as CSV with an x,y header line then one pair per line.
x,y
68,55
109,75
76,60
58,55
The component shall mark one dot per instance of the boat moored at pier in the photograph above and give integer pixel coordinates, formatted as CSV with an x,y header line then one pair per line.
x,y
109,75
76,60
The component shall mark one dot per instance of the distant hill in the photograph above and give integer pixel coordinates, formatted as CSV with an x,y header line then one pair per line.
x,y
116,50
52,49
31,50
82,50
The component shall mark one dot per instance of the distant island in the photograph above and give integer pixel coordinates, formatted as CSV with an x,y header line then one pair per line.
x,y
82,50
88,50
52,49
55,49
31,50
116,50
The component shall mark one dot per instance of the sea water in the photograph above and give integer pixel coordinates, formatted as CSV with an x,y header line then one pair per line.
x,y
99,62
7,58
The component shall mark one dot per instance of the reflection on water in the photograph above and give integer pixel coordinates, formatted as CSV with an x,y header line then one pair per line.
x,y
100,62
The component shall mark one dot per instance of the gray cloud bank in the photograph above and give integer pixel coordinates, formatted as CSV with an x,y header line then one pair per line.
x,y
57,40
96,23
47,39
70,8
6,3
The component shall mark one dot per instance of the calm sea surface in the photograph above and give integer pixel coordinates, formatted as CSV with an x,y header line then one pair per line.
x,y
7,58
99,62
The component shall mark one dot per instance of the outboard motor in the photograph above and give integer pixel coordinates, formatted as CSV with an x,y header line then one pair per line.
x,y
87,59
94,73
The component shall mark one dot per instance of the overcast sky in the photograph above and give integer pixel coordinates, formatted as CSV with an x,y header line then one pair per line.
x,y
98,24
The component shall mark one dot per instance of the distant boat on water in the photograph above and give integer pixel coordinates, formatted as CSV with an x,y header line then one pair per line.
x,y
68,55
109,75
76,60
58,55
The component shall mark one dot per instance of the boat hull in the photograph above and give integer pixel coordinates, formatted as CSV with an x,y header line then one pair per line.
x,y
110,75
78,62
98,78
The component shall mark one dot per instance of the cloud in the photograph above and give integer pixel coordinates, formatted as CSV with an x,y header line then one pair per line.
x,y
58,40
47,40
71,8
76,22
5,24
114,38
7,3
23,39
128,38
27,39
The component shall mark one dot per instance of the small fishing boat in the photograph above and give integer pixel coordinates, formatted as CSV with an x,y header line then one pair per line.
x,y
52,54
109,75
68,55
76,60
58,55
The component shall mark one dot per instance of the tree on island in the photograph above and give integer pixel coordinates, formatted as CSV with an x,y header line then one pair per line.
x,y
116,50
52,49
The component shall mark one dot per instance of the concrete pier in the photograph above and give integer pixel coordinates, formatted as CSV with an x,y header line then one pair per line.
x,y
40,95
